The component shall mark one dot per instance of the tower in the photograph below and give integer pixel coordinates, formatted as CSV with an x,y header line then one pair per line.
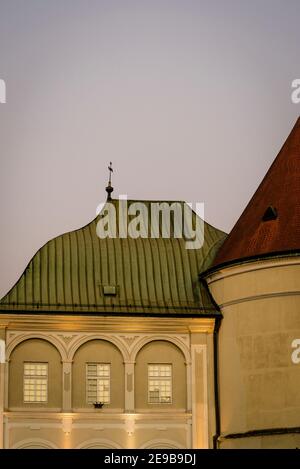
x,y
255,280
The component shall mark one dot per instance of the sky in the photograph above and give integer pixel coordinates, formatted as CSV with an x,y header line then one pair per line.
x,y
190,100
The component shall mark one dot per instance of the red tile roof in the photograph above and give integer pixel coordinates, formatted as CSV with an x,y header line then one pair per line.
x,y
278,194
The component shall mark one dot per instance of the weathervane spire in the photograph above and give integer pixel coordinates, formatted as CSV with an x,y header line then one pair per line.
x,y
109,189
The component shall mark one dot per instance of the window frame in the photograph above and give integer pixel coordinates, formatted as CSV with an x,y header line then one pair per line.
x,y
162,379
43,377
97,378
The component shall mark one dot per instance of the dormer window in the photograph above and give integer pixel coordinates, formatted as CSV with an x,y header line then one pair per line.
x,y
270,214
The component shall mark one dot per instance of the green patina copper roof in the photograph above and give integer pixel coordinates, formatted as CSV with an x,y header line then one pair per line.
x,y
79,272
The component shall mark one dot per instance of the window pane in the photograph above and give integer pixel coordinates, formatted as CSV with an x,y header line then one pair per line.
x,y
35,382
98,382
159,384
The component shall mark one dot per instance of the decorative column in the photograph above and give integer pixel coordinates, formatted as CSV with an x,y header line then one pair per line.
x,y
129,387
2,387
189,386
199,397
67,385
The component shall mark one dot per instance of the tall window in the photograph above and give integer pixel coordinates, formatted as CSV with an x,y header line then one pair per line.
x,y
159,384
35,382
98,382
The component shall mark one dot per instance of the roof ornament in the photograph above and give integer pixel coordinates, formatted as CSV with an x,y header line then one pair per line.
x,y
109,189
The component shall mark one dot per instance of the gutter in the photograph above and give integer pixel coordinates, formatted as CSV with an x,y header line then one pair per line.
x,y
248,259
108,314
218,320
216,383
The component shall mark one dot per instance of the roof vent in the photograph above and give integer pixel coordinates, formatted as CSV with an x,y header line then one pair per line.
x,y
109,290
270,214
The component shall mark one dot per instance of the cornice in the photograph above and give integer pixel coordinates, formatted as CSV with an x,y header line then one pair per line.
x,y
52,322
33,415
254,266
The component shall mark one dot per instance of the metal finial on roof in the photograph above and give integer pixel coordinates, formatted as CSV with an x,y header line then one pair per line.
x,y
109,189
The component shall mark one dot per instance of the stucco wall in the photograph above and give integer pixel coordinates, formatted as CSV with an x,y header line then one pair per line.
x,y
259,383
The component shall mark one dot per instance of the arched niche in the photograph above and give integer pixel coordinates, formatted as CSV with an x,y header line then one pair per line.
x,y
35,350
161,444
98,351
160,352
98,443
34,443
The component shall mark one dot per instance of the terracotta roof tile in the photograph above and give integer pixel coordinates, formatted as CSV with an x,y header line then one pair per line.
x,y
278,198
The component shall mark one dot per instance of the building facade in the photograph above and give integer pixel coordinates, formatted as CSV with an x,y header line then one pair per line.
x,y
109,344
138,342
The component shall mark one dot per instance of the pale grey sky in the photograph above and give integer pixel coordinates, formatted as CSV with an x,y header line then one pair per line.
x,y
190,99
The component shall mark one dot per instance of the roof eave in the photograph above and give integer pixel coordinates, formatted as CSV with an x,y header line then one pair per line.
x,y
245,260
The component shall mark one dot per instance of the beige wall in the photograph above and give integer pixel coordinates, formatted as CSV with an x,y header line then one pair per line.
x,y
35,350
106,433
184,423
160,352
259,384
103,352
